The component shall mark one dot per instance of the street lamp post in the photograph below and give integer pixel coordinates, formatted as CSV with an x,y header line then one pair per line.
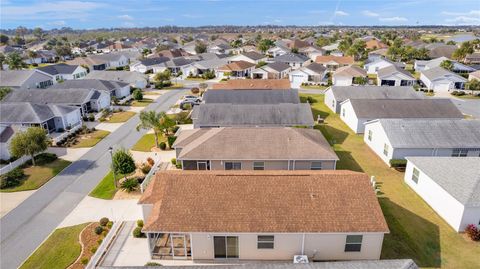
x,y
110,149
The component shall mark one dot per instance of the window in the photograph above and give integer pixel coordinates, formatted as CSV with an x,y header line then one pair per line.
x,y
370,133
316,166
265,241
343,112
353,243
233,166
385,149
333,103
459,152
415,175
258,165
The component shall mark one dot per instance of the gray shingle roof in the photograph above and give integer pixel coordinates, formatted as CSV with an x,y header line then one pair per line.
x,y
404,109
392,69
291,57
460,177
253,55
317,68
97,84
122,76
278,66
16,78
422,133
56,69
154,61
439,72
251,97
51,96
252,115
30,113
342,93
251,144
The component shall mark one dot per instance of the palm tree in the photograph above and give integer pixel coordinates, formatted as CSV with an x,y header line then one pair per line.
x,y
150,120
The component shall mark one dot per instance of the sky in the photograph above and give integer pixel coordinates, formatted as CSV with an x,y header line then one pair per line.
x,y
91,14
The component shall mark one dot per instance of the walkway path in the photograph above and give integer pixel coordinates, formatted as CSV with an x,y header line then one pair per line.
x,y
29,224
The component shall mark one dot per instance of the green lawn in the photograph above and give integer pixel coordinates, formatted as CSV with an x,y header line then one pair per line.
x,y
36,176
174,86
60,249
105,189
314,87
146,142
91,139
416,231
141,103
468,96
120,117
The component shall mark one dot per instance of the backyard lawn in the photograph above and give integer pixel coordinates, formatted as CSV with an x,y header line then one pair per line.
x,y
313,87
60,249
147,142
118,117
36,176
141,103
91,139
416,231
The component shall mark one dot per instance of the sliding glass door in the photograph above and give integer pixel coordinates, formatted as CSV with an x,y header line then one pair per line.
x,y
225,246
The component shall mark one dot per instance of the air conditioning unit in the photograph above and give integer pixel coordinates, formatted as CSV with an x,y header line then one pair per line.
x,y
300,259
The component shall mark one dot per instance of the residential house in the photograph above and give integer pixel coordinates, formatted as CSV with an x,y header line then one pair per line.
x,y
442,80
171,53
312,73
210,65
114,88
474,75
449,185
251,57
311,52
101,61
87,99
238,69
52,118
333,62
247,149
294,60
179,66
253,84
266,215
399,138
394,76
275,70
277,51
345,76
437,50
374,44
356,112
261,115
220,48
61,72
134,79
457,67
6,134
250,97
41,56
472,58
376,64
146,65
25,79
377,54
335,95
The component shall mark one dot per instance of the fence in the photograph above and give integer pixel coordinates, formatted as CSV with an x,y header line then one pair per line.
x,y
156,166
105,245
9,167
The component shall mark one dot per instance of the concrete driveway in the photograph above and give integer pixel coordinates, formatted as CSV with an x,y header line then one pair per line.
x,y
24,228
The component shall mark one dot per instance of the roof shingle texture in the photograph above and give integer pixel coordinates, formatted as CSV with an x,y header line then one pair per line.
x,y
251,97
253,84
263,201
342,93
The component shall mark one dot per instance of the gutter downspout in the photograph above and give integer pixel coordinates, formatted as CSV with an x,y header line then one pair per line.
x,y
303,243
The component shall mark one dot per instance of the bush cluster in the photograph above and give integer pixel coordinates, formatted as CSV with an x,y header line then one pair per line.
x,y
162,145
473,232
104,221
458,93
130,184
137,232
12,178
398,163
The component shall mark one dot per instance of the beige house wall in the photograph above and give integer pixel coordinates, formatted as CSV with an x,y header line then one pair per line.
x,y
274,165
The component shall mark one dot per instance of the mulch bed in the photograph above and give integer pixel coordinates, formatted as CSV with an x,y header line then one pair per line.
x,y
89,240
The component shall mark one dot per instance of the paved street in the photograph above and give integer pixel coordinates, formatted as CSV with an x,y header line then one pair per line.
x,y
24,228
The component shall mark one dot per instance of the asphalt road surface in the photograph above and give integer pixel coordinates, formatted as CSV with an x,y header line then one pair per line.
x,y
24,228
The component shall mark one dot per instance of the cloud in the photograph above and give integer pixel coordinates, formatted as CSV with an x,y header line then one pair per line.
x,y
125,17
369,13
471,13
464,20
341,13
49,10
57,23
393,19
128,24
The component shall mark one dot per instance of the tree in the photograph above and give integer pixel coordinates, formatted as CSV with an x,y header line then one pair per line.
x,y
123,163
145,52
166,123
38,33
358,49
150,120
31,55
473,85
447,64
322,41
137,95
465,49
236,43
14,60
200,47
30,142
451,42
63,50
21,31
162,76
3,39
4,91
422,54
203,86
17,40
265,44
2,60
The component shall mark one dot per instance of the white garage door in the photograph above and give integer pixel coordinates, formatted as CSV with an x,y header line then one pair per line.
x,y
296,81
441,87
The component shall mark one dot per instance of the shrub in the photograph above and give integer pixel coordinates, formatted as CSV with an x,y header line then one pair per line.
x,y
195,90
104,221
146,168
150,161
153,264
163,146
85,261
398,163
178,165
11,179
44,158
137,95
137,232
99,241
109,224
173,161
175,128
473,232
171,140
140,223
94,249
129,185
98,230
91,117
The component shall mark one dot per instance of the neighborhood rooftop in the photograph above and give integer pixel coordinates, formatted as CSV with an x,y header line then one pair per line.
x,y
56,69
251,97
98,84
51,96
253,144
343,93
252,84
342,201
31,113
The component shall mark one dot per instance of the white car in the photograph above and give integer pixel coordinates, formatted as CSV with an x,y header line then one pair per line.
x,y
191,98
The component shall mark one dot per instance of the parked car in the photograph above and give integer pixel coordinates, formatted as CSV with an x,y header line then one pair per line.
x,y
191,98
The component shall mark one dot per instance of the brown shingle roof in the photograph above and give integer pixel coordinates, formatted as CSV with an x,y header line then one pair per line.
x,y
351,71
375,44
263,201
330,58
236,66
254,144
257,84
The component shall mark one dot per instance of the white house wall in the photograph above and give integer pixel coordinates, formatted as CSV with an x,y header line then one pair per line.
x,y
342,81
471,215
379,138
347,114
330,101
